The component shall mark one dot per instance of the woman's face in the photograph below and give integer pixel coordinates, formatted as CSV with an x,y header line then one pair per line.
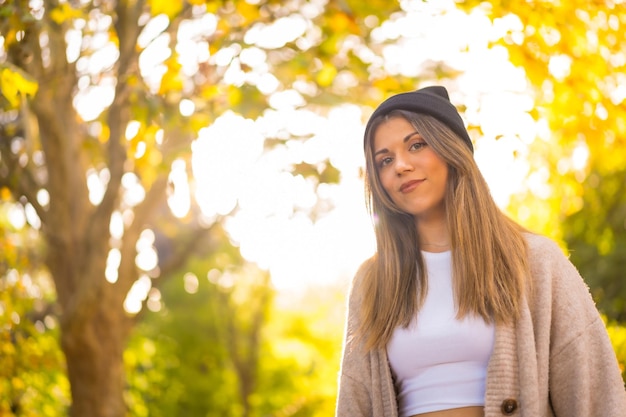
x,y
413,175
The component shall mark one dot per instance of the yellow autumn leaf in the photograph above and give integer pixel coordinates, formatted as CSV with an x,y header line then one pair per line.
x,y
17,383
154,159
210,92
169,8
223,26
387,84
339,22
14,83
211,6
213,48
326,75
24,85
8,89
105,132
171,80
147,161
64,12
5,194
199,120
234,96
10,36
248,12
150,134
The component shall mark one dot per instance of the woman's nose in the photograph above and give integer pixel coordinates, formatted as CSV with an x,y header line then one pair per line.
x,y
403,165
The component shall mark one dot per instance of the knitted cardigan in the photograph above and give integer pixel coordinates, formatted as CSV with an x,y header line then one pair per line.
x,y
555,361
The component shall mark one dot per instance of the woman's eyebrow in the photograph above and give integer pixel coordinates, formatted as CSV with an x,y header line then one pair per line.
x,y
378,152
409,136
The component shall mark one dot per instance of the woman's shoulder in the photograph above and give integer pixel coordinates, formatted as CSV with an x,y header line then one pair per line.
x,y
356,286
542,247
365,266
550,265
547,259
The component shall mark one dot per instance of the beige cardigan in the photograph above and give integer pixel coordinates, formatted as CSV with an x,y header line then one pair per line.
x,y
557,359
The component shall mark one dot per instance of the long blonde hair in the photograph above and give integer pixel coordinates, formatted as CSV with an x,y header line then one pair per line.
x,y
489,264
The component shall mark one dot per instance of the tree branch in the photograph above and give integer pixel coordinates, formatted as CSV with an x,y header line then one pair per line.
x,y
184,250
127,29
127,271
28,187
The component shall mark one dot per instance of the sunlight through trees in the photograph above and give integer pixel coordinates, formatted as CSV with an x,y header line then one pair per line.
x,y
181,204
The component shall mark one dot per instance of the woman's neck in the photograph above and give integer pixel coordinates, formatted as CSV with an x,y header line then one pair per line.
x,y
433,236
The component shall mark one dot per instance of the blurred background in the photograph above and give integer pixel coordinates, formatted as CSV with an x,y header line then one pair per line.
x,y
181,182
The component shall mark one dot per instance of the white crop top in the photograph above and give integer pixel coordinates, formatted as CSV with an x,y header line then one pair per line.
x,y
439,362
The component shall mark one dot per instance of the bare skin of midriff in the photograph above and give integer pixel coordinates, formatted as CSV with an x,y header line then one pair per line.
x,y
456,412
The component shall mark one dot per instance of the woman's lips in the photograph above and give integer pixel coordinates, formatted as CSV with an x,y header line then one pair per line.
x,y
410,186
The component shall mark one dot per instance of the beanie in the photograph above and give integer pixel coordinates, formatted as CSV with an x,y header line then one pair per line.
x,y
433,101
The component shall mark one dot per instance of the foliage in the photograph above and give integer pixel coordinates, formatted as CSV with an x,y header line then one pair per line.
x,y
303,338
176,366
101,99
617,333
573,57
32,368
219,334
596,237
15,85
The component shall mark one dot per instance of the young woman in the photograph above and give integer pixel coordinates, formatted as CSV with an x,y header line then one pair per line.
x,y
461,312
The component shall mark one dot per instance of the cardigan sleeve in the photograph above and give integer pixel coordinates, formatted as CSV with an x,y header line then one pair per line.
x,y
584,376
354,396
366,386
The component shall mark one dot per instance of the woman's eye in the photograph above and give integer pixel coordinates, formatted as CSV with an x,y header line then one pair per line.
x,y
417,145
384,161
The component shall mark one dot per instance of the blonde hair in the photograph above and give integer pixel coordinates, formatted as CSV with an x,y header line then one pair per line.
x,y
489,265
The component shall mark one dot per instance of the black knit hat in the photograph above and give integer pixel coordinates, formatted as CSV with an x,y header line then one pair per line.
x,y
434,101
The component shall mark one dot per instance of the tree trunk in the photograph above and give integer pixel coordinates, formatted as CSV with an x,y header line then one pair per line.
x,y
94,326
95,367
